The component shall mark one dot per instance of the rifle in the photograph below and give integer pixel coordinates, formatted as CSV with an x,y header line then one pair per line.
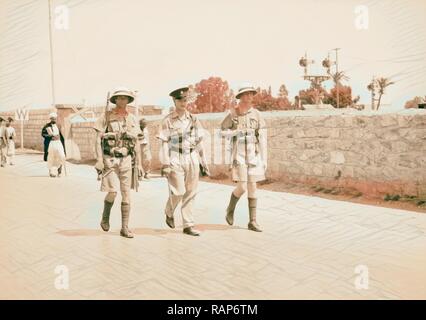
x,y
135,169
107,109
135,173
100,173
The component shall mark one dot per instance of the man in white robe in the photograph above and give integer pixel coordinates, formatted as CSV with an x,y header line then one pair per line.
x,y
56,152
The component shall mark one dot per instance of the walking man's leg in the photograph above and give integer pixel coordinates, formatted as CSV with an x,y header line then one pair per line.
x,y
176,185
252,203
191,184
108,203
235,196
125,215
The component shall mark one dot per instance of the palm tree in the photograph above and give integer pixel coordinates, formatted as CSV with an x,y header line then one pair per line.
x,y
382,84
338,77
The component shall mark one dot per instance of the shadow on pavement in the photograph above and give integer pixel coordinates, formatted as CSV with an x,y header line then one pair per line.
x,y
141,231
203,227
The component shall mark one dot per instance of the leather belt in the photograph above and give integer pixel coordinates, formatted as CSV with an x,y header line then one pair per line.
x,y
182,150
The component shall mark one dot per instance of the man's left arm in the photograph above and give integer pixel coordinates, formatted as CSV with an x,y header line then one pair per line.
x,y
263,136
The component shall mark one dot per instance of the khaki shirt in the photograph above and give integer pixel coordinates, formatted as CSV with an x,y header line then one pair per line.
x,y
182,134
244,146
118,123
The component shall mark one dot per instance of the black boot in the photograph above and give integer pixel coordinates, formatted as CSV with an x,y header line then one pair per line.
x,y
105,215
253,226
125,212
231,208
191,232
170,222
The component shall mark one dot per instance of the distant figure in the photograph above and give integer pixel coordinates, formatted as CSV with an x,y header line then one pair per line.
x,y
10,138
55,147
146,156
46,136
3,143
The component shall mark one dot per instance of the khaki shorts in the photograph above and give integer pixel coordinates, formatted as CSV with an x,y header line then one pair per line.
x,y
118,174
242,172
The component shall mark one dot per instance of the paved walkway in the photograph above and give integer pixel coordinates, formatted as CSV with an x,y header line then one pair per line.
x,y
310,249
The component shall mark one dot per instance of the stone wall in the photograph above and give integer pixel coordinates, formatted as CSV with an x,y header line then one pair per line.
x,y
39,117
369,152
32,128
374,153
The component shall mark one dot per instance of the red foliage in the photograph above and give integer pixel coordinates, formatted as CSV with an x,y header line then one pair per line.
x,y
345,97
414,103
311,95
213,95
264,101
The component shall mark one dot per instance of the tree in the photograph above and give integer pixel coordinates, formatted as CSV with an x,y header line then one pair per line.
x,y
312,95
338,77
283,92
414,103
345,97
382,84
213,95
264,101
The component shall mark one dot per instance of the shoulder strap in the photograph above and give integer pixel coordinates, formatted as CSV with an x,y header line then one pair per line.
x,y
192,122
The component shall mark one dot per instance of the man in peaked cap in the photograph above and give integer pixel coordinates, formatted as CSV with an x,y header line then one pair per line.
x,y
117,153
181,136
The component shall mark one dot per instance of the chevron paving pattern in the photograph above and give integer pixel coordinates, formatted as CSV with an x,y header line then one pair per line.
x,y
309,250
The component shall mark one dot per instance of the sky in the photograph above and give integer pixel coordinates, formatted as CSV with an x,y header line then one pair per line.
x,y
156,46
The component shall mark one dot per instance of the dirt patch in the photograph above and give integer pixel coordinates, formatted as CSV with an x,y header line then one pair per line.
x,y
404,202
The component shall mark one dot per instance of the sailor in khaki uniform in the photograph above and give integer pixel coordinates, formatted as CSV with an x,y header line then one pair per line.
x,y
181,153
245,127
117,156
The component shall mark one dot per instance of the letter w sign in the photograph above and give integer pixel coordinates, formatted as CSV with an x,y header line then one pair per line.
x,y
22,115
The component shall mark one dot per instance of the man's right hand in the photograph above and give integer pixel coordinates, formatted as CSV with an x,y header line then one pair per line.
x,y
99,166
166,170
